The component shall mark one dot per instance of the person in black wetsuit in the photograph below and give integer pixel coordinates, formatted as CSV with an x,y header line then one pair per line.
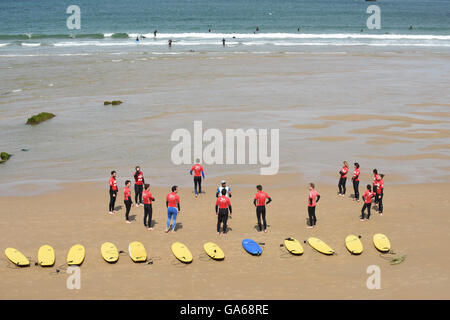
x,y
355,180
260,203
112,192
127,200
223,204
138,186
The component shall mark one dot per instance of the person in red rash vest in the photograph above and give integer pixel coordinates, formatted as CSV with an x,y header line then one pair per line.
x,y
148,210
260,203
313,198
138,186
343,179
223,204
380,193
112,192
127,200
198,174
355,180
376,178
367,197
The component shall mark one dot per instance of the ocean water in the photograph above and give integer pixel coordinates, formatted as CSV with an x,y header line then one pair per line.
x,y
276,78
39,27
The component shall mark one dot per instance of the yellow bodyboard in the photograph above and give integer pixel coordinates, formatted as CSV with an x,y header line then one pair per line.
x,y
320,246
46,256
137,251
214,251
75,257
109,252
16,257
293,246
181,252
381,242
353,244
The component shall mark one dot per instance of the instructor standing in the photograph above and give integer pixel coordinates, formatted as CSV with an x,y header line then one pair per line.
x,y
260,203
223,204
138,186
198,174
312,201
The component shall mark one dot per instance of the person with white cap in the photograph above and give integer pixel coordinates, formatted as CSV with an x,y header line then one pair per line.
x,y
221,187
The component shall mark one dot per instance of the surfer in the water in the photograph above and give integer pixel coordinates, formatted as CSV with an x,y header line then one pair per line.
x,y
223,203
170,43
198,174
313,198
127,200
172,204
260,203
155,32
148,210
112,192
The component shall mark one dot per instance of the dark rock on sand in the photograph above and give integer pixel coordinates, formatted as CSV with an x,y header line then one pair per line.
x,y
43,116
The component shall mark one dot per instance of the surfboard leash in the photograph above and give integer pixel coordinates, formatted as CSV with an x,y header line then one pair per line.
x,y
283,253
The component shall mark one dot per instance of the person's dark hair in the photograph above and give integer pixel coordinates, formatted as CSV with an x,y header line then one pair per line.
x,y
146,186
381,175
224,191
127,182
375,171
174,188
137,167
259,187
369,187
312,185
357,165
112,172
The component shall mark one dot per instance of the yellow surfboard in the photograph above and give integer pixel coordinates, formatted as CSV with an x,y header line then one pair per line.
x,y
137,251
181,252
293,246
353,244
16,257
320,246
109,252
75,257
214,251
381,242
46,256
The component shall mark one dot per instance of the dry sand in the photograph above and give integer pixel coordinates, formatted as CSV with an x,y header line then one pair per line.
x,y
415,219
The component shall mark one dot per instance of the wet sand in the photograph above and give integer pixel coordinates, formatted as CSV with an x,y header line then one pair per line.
x,y
415,219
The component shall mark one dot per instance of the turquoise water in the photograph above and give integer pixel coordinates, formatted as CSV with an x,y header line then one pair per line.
x,y
27,25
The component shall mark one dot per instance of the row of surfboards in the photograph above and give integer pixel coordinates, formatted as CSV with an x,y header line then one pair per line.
x,y
110,253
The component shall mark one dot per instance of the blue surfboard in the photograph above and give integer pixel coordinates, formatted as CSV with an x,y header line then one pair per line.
x,y
251,247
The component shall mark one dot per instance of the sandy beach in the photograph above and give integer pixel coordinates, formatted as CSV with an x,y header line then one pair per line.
x,y
310,72
415,219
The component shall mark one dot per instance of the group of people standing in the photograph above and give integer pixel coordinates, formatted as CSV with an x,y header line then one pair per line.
x,y
143,197
374,192
223,209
